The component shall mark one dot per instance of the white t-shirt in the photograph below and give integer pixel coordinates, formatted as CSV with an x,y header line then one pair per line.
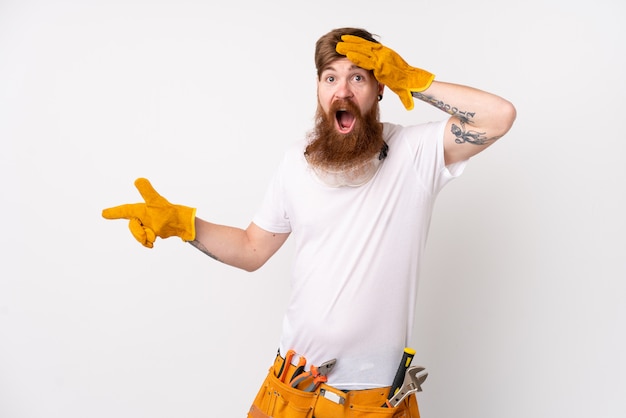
x,y
357,254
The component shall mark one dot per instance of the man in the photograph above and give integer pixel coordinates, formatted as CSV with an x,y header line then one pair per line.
x,y
357,196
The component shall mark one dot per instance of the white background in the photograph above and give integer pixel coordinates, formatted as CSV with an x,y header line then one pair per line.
x,y
522,301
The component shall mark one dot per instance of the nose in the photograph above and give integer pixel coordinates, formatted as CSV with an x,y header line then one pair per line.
x,y
344,90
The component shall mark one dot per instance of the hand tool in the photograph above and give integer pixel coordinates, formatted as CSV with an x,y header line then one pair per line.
x,y
317,375
407,357
322,372
282,373
412,383
299,368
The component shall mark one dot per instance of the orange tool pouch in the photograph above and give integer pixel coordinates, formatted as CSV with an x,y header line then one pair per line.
x,y
276,399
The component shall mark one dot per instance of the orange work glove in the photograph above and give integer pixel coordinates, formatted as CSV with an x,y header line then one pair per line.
x,y
156,217
389,68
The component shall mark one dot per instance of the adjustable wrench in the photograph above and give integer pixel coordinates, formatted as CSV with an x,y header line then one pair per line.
x,y
412,383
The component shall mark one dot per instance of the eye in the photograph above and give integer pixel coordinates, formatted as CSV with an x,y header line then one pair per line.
x,y
358,78
330,79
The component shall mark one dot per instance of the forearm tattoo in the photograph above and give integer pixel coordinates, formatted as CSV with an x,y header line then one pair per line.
x,y
462,134
464,115
202,248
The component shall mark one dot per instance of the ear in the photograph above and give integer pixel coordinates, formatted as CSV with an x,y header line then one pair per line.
x,y
381,88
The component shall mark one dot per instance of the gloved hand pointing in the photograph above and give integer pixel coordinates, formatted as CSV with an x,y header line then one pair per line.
x,y
156,217
389,68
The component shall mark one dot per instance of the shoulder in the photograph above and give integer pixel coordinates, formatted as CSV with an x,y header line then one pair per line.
x,y
293,157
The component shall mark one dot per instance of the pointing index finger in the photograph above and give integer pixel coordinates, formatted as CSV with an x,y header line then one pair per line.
x,y
147,191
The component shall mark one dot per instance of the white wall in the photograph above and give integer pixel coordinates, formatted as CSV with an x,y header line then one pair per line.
x,y
522,301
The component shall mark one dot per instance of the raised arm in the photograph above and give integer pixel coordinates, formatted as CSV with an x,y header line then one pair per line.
x,y
478,118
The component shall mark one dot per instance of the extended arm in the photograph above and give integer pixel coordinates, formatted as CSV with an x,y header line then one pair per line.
x,y
247,249
478,118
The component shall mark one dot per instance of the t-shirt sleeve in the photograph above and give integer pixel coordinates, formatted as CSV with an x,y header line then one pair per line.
x,y
271,215
426,142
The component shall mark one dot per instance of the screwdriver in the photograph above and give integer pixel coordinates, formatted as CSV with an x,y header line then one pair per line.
x,y
407,357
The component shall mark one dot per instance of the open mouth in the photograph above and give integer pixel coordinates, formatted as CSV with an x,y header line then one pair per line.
x,y
345,121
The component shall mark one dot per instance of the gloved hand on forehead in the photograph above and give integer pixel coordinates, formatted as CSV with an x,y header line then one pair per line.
x,y
389,67
156,217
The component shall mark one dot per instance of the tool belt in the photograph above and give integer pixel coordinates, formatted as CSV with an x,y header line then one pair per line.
x,y
277,399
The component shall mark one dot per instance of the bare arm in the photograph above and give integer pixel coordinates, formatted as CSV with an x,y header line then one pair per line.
x,y
247,249
478,118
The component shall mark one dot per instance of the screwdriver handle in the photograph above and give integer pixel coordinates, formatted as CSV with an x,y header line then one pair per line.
x,y
407,357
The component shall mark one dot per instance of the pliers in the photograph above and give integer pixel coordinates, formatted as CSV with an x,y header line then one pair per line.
x,y
317,375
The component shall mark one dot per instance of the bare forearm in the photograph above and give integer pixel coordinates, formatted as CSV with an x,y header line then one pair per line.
x,y
247,249
223,243
478,118
491,115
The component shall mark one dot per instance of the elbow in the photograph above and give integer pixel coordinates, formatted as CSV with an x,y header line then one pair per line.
x,y
502,117
252,266
251,269
508,114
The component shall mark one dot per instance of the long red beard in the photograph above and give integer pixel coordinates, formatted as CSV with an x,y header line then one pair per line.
x,y
331,149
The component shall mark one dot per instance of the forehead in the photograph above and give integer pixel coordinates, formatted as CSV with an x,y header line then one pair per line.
x,y
341,65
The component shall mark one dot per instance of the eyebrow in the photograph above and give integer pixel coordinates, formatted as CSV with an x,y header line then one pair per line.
x,y
330,67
